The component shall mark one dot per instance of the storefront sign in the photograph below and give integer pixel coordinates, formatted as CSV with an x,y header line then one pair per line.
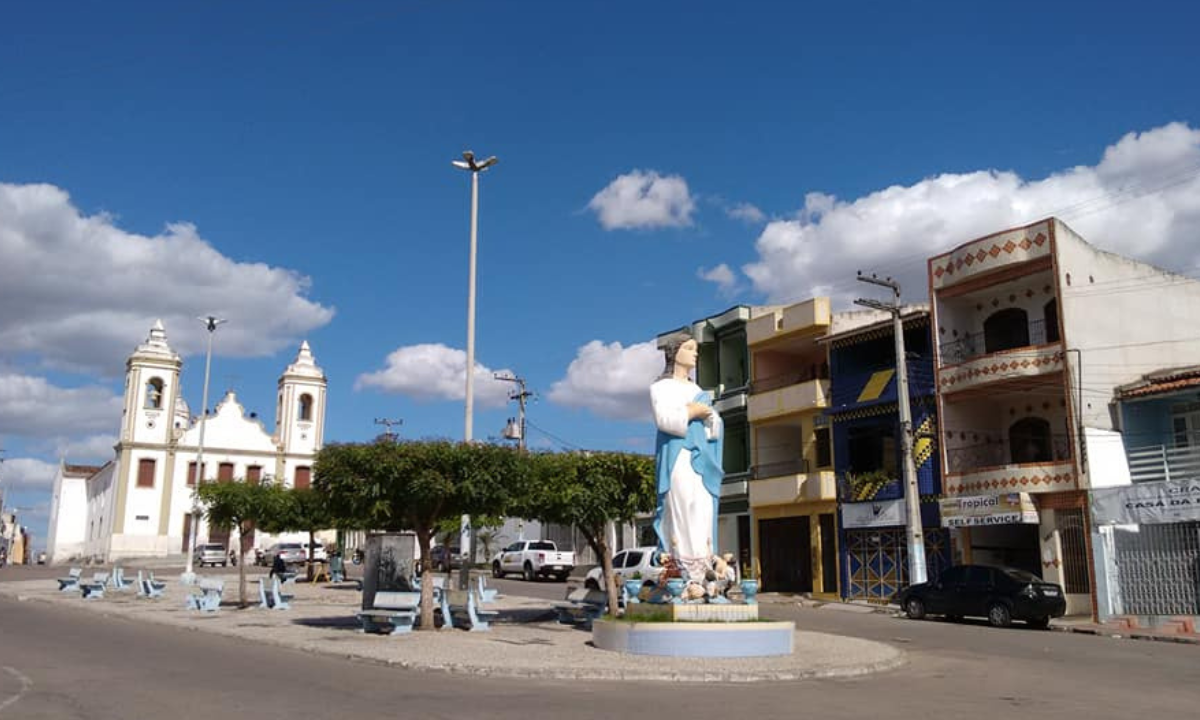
x,y
1166,501
884,513
1006,509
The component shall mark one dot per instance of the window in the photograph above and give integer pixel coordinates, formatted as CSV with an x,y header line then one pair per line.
x,y
225,472
979,576
254,474
824,447
306,407
542,545
154,394
955,574
1006,329
145,477
191,475
1050,315
1029,441
303,478
619,560
633,559
872,448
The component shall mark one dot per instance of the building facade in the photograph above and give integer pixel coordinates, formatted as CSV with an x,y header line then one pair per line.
x,y
867,451
67,529
792,490
1035,327
140,504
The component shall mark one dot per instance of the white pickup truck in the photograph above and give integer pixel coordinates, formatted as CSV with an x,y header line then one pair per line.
x,y
533,559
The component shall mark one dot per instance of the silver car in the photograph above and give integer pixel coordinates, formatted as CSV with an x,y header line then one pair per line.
x,y
211,554
292,553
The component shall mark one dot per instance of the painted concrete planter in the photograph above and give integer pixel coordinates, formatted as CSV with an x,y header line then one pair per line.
x,y
695,639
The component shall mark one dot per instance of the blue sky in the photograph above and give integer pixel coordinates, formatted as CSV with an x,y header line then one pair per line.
x,y
287,165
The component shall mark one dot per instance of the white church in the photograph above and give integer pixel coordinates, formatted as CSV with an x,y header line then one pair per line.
x,y
139,504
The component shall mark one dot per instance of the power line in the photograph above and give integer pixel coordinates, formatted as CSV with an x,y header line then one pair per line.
x,y
552,436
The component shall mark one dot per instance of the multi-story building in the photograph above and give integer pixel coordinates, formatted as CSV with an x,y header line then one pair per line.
x,y
792,495
867,450
140,504
1035,327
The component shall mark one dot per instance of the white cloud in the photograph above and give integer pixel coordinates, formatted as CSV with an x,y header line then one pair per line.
x,y
610,380
723,276
91,449
1142,200
32,407
28,474
78,292
644,199
435,372
747,213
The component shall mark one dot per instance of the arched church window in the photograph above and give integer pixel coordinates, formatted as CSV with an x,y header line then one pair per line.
x,y
306,403
154,394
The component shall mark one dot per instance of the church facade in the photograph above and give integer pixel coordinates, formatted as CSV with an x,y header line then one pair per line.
x,y
140,504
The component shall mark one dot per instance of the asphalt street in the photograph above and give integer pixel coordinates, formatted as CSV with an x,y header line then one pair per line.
x,y
60,662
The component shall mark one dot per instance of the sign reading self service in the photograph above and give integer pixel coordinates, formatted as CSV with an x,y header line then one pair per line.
x,y
975,510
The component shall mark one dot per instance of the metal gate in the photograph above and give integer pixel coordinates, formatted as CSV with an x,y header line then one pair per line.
x,y
877,561
1158,569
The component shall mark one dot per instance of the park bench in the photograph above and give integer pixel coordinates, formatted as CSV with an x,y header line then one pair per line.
x,y
71,581
275,599
208,599
486,594
397,609
148,587
287,576
461,605
94,588
118,580
581,607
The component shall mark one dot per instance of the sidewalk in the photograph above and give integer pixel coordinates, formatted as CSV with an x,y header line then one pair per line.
x,y
524,642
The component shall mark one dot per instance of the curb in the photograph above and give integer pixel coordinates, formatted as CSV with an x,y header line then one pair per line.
x,y
1127,635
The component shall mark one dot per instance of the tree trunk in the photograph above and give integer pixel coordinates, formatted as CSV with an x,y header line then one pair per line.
x,y
311,554
423,540
599,543
241,569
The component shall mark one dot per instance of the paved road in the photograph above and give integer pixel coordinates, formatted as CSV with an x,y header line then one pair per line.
x,y
60,662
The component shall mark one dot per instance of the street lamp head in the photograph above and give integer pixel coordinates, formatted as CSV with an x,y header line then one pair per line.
x,y
469,157
212,321
488,163
460,164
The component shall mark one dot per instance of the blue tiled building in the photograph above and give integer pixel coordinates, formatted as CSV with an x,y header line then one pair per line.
x,y
866,432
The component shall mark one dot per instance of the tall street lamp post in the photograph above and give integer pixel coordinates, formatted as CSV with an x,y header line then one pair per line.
x,y
470,164
210,323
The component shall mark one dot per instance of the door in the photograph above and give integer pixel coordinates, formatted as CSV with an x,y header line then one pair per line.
x,y
619,561
943,594
976,593
786,554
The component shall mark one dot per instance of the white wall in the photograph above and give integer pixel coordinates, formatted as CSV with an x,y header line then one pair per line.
x,y
68,518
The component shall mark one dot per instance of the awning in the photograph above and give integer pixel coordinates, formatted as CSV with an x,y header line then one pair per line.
x,y
973,510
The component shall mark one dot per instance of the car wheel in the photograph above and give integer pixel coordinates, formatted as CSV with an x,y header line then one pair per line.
x,y
528,574
914,608
591,584
496,571
999,615
1038,623
224,564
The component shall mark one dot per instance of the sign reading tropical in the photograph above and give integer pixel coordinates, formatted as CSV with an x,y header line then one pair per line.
x,y
1165,501
974,510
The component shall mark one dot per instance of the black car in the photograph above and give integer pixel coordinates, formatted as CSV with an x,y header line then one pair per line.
x,y
445,558
999,594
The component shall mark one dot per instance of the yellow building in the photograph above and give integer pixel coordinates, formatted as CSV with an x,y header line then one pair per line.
x,y
792,493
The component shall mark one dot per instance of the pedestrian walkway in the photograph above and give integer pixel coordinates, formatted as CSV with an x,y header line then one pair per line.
x,y
524,642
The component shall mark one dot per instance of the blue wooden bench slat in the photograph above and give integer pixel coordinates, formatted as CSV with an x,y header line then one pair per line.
x,y
398,609
209,597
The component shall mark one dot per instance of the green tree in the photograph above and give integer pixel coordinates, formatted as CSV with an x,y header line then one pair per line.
x,y
241,505
301,510
415,485
589,490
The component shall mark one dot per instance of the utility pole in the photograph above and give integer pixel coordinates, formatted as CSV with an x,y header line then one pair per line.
x,y
388,423
520,395
912,500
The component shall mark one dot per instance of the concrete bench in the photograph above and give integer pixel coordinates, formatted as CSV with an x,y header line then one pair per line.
x,y
118,580
71,581
274,599
461,606
397,609
208,599
148,587
486,594
581,607
94,589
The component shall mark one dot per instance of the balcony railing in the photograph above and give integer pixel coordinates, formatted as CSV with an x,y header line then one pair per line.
x,y
774,382
999,454
973,345
1160,462
798,466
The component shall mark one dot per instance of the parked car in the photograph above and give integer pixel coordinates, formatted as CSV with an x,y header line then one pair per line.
x,y
641,562
210,554
292,553
999,594
318,551
445,558
534,559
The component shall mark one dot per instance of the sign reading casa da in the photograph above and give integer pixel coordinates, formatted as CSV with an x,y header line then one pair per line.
x,y
974,510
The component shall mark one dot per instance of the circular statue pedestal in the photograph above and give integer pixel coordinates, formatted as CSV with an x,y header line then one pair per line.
x,y
695,639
